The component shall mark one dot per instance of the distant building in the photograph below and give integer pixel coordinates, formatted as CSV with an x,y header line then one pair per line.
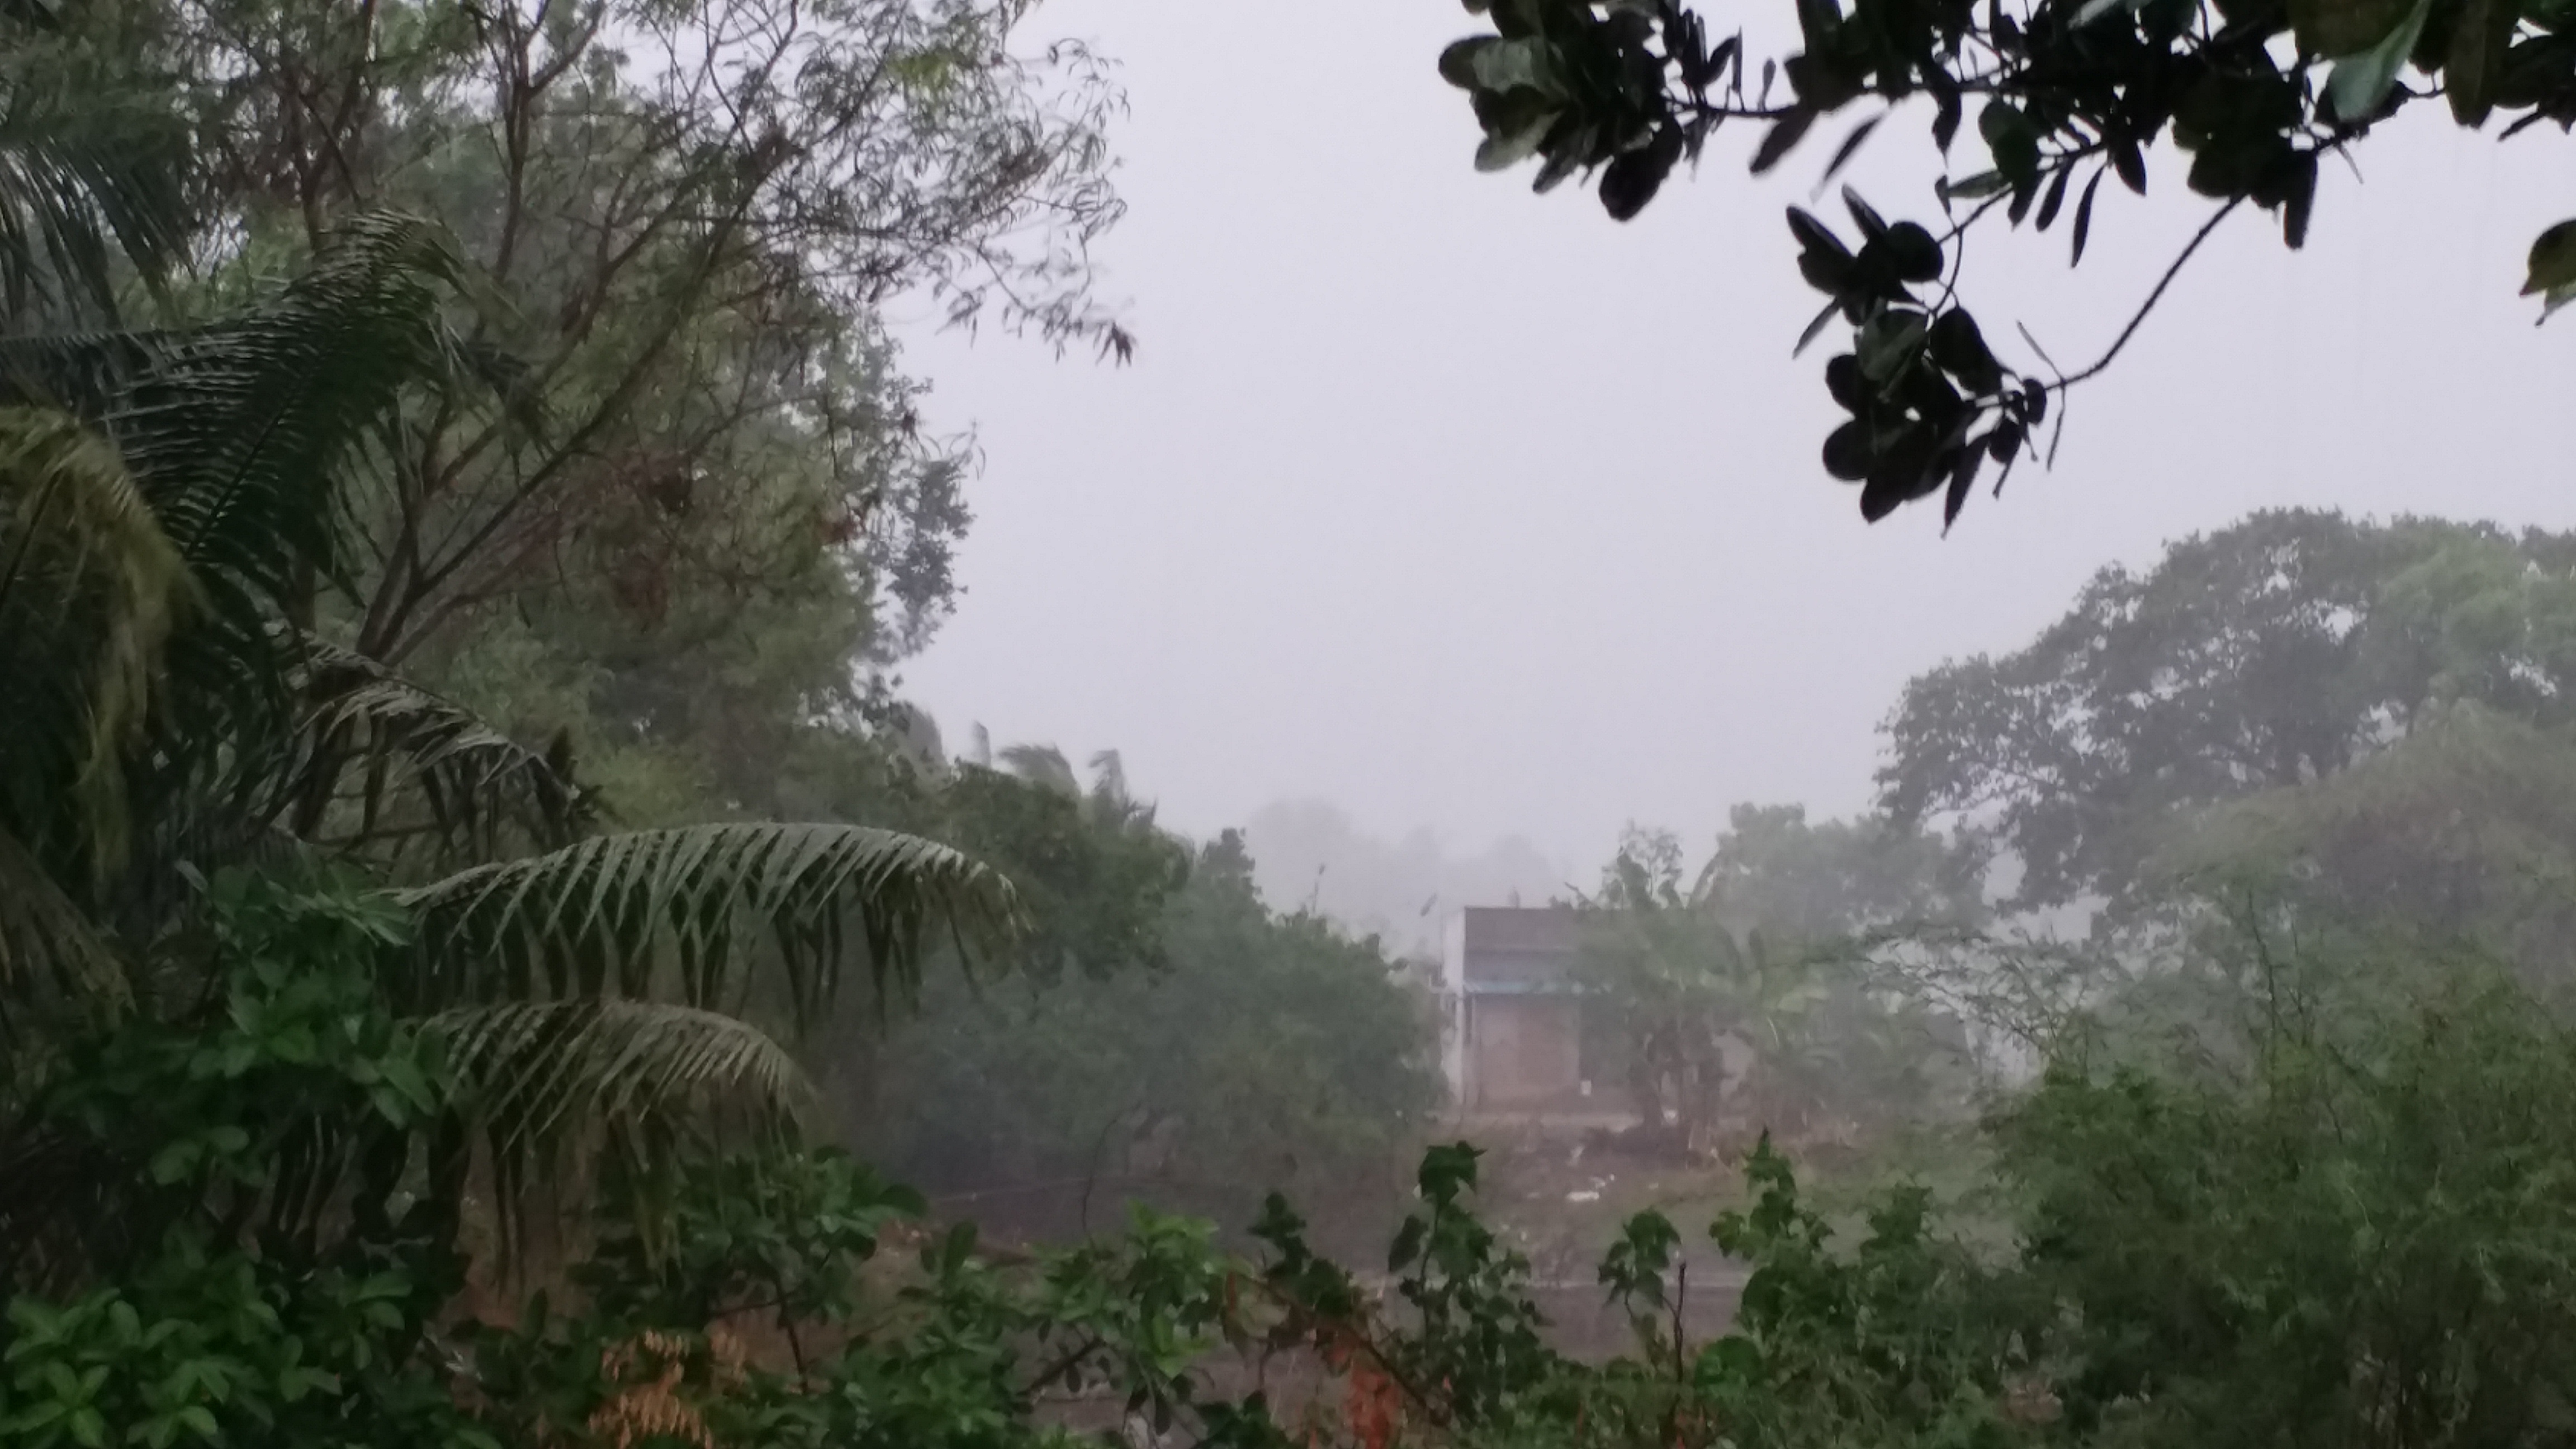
x,y
1514,1038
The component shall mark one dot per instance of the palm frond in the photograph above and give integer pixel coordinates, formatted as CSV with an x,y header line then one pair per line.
x,y
1042,765
537,1076
87,374
92,172
243,434
682,915
411,746
90,588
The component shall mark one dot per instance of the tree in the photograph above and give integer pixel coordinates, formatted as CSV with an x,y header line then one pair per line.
x,y
712,507
2455,837
2067,92
172,717
1255,1048
1737,993
94,192
2268,655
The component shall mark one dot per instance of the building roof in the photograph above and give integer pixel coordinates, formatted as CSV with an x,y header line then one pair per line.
x,y
1517,947
1515,928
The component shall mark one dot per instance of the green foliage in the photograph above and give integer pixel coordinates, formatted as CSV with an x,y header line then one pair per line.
x,y
266,1266
2066,92
1261,1050
2263,657
256,1259
2355,1234
1739,996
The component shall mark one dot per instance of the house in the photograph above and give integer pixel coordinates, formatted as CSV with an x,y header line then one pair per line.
x,y
1514,1039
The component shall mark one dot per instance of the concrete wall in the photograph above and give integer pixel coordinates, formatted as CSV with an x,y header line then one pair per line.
x,y
1523,1050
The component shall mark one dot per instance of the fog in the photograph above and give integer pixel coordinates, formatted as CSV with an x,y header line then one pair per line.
x,y
1473,512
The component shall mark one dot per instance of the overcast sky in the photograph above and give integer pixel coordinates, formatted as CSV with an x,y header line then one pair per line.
x,y
1472,510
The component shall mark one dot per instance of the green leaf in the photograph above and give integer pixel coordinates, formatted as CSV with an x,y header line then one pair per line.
x,y
1977,187
1508,148
2336,29
2480,39
2360,83
1889,341
1458,60
2552,264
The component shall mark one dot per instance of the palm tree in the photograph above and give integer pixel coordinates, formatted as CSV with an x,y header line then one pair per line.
x,y
1688,987
169,506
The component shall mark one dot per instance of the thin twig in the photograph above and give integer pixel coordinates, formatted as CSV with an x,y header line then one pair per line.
x,y
2139,319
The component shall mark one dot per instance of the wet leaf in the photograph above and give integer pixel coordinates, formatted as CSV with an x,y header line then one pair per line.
x,y
1963,476
2131,163
2359,84
1815,236
2056,197
1851,145
2084,217
1784,133
1458,61
1847,452
1815,328
2480,40
1916,255
2301,201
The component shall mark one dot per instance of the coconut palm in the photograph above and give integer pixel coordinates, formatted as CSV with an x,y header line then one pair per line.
x,y
170,507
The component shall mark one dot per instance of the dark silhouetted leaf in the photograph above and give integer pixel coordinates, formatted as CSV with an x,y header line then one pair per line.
x,y
1945,121
2056,197
1826,272
1977,187
1866,217
1784,134
2480,39
1847,452
1960,348
1917,257
2301,201
1843,380
1851,146
1816,327
1631,180
1815,236
1963,476
1729,52
2131,163
2084,218
1889,341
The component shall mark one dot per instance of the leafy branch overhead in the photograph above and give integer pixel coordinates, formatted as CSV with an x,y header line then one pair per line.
x,y
2256,93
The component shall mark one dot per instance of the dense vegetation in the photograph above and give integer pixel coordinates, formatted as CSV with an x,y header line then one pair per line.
x,y
458,510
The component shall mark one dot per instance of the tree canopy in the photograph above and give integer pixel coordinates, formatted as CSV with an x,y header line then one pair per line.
x,y
2268,655
2258,94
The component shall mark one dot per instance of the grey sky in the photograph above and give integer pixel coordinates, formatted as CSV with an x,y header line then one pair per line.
x,y
1470,509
